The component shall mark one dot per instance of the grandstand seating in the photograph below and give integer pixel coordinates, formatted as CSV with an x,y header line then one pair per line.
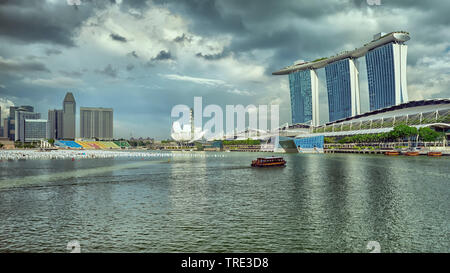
x,y
60,144
110,145
122,144
67,144
84,144
92,144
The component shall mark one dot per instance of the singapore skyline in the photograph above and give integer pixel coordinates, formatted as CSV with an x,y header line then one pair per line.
x,y
224,135
85,52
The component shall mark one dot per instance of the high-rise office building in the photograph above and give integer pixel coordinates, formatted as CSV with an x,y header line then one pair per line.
x,y
342,89
55,124
386,75
96,123
19,121
303,86
5,127
34,129
11,126
69,113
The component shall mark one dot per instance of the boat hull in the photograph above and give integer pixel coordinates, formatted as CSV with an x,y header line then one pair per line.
x,y
392,153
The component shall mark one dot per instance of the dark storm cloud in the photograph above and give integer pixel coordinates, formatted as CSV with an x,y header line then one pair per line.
x,y
305,29
39,21
163,55
108,71
208,15
117,37
29,21
211,57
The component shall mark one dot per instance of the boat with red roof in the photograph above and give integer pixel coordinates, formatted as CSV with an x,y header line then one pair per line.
x,y
269,162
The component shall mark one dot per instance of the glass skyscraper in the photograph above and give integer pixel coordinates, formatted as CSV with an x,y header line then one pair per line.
x,y
342,89
386,68
386,75
301,96
303,87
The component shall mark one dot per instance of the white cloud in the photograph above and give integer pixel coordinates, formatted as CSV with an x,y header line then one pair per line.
x,y
429,78
58,82
240,92
5,104
203,81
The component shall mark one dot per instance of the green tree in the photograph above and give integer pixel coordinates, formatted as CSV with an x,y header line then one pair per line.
x,y
428,134
402,131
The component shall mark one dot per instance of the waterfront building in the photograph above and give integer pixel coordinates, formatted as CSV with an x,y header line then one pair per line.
x,y
55,124
303,86
10,124
19,122
34,129
432,113
96,123
386,75
386,68
69,113
342,89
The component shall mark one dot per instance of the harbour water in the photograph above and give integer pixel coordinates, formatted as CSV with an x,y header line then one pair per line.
x,y
218,203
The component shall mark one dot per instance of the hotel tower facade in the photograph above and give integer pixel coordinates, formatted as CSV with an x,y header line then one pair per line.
x,y
386,72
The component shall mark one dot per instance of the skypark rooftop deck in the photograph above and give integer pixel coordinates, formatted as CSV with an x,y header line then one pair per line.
x,y
398,36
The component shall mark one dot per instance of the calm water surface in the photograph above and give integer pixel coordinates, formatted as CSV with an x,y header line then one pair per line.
x,y
318,203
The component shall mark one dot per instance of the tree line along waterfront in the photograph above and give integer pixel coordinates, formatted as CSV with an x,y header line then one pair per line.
x,y
399,133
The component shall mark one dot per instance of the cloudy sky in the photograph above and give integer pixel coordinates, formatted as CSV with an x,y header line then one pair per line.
x,y
143,57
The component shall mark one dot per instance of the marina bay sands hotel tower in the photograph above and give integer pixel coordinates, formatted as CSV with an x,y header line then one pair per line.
x,y
386,74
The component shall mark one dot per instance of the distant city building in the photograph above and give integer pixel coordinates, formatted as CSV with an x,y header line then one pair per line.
x,y
19,122
55,124
10,124
96,123
386,75
5,127
69,113
34,129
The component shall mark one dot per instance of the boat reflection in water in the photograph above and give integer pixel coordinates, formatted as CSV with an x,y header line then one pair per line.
x,y
269,162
